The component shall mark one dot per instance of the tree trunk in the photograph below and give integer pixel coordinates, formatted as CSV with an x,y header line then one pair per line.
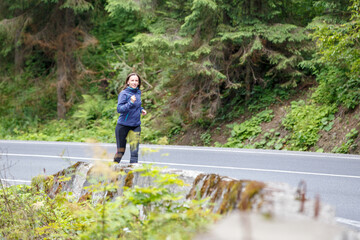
x,y
258,8
246,7
19,54
247,81
19,49
61,86
65,61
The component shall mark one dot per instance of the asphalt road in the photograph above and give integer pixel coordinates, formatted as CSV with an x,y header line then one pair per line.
x,y
334,177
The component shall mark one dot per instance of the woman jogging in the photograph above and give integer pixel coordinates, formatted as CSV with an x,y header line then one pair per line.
x,y
129,107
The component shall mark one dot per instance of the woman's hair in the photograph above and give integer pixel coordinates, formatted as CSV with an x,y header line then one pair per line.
x,y
127,79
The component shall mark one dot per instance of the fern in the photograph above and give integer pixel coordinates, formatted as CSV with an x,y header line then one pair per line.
x,y
93,108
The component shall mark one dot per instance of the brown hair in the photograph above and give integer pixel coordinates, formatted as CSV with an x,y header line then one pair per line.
x,y
127,79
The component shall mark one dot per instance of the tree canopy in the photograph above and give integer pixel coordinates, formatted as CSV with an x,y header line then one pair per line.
x,y
196,56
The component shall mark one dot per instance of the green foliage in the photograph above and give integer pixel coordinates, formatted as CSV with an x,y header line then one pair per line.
x,y
95,118
248,130
24,105
173,125
270,140
339,54
263,98
349,144
152,212
13,23
28,213
206,138
269,60
78,6
94,108
211,48
336,87
331,86
115,6
150,134
64,130
304,121
203,12
203,59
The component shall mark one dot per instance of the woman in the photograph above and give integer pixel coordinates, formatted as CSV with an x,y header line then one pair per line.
x,y
129,107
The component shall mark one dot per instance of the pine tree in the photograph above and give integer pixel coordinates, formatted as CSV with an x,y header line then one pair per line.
x,y
56,27
217,50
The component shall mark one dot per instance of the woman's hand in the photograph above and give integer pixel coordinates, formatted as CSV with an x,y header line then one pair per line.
x,y
143,112
133,98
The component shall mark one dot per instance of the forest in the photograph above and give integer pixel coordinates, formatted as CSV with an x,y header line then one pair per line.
x,y
274,74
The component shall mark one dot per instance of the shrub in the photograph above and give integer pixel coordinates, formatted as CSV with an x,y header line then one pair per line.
x,y
304,122
349,143
248,129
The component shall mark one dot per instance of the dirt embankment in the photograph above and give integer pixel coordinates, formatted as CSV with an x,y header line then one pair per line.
x,y
345,121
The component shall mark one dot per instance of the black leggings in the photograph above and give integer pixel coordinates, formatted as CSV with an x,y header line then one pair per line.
x,y
121,132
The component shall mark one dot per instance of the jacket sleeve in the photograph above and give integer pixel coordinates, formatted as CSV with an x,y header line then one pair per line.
x,y
124,103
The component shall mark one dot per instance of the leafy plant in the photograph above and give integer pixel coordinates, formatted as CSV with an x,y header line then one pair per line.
x,y
248,129
94,107
28,213
338,55
263,98
206,138
152,212
304,122
349,144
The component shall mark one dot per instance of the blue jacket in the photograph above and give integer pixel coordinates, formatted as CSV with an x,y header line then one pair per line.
x,y
129,112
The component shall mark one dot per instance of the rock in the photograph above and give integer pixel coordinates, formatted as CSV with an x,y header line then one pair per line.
x,y
289,213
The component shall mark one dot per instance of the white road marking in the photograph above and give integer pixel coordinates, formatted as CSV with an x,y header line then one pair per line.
x,y
14,180
192,148
188,165
349,222
50,156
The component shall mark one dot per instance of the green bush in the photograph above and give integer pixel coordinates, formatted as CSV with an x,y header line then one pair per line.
x,y
338,53
28,213
248,129
304,122
263,98
336,87
349,143
95,118
94,107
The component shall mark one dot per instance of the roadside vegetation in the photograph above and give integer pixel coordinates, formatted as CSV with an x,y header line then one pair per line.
x,y
154,212
251,74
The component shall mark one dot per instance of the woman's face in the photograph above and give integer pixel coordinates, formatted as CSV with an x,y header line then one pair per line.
x,y
133,81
